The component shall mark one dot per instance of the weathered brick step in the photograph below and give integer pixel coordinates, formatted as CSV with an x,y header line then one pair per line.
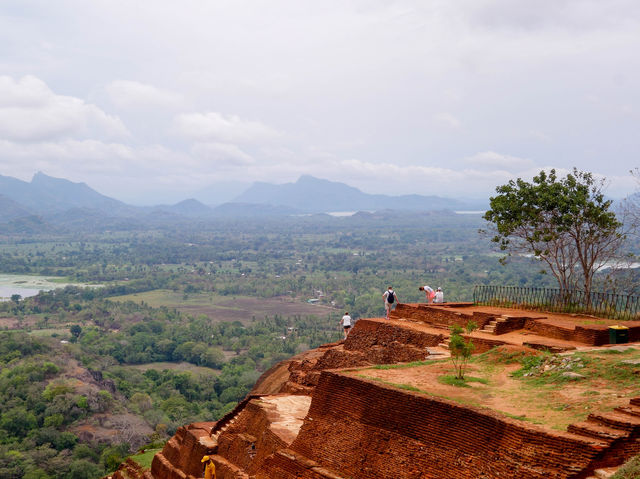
x,y
632,410
598,431
491,326
616,420
604,473
228,469
307,463
217,434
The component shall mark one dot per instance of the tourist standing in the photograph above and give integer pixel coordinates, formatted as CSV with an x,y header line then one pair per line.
x,y
346,323
390,297
209,468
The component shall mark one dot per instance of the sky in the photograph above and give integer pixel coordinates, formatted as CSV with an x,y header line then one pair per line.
x,y
151,101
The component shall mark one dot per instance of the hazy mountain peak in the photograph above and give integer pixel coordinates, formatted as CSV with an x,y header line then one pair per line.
x,y
316,195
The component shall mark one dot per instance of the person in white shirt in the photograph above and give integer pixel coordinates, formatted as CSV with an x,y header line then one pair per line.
x,y
346,323
390,297
439,298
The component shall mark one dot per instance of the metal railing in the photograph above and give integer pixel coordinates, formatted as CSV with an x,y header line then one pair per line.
x,y
603,305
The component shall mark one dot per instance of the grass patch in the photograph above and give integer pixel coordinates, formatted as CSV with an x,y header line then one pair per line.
x,y
593,365
616,351
630,470
144,458
590,393
520,417
451,380
50,332
401,365
177,366
530,364
502,355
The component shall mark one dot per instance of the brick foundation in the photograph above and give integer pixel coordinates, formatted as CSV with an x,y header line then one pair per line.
x,y
360,429
440,316
367,430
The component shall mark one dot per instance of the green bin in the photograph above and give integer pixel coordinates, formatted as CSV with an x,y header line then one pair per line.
x,y
618,334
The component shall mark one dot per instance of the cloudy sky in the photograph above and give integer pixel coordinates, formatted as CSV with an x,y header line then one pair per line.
x,y
149,101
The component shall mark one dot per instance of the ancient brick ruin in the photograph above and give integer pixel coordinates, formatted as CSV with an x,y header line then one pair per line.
x,y
307,418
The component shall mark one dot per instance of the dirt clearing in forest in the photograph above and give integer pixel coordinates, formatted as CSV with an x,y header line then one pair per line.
x,y
227,308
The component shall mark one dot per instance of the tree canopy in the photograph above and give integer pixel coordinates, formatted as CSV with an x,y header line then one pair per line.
x,y
565,222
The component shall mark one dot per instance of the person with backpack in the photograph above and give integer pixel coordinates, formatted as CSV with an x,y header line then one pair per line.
x,y
390,297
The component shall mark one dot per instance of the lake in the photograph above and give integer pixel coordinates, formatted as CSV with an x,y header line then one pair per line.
x,y
26,285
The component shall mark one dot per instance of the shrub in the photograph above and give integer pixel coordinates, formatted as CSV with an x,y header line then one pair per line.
x,y
461,348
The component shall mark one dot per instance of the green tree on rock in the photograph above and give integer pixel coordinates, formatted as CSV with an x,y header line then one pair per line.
x,y
565,222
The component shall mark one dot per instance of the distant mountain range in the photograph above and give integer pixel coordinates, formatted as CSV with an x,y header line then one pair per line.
x,y
55,201
46,194
313,195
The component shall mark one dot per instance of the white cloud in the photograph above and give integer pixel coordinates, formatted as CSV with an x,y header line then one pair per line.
x,y
213,126
493,160
29,91
30,111
90,157
406,82
126,94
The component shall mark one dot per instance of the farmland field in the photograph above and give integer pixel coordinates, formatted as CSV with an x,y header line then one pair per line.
x,y
227,308
181,366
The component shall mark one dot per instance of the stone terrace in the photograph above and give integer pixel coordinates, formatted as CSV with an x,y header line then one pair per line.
x,y
307,419
552,331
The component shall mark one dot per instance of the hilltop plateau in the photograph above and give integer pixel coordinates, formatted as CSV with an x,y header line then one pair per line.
x,y
383,404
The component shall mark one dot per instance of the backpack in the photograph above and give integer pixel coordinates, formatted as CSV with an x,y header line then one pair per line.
x,y
390,297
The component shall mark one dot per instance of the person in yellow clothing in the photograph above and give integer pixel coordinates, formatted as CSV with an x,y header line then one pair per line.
x,y
209,468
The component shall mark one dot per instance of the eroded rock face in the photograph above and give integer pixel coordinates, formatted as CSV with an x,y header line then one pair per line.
x,y
308,418
181,455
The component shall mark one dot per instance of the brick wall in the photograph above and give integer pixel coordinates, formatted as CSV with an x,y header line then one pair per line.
x,y
367,430
439,316
249,440
511,324
286,464
593,335
369,333
181,455
482,345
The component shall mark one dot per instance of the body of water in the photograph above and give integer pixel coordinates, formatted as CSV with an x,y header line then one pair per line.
x,y
26,286
7,292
